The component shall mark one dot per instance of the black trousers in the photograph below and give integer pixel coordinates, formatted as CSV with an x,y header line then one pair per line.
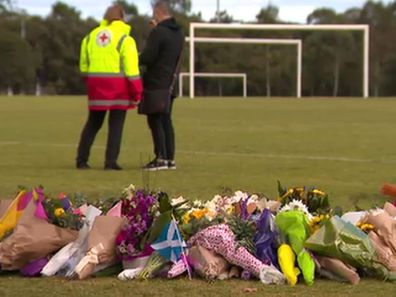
x,y
163,134
92,127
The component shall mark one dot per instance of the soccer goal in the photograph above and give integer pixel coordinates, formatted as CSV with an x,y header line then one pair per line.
x,y
294,42
281,27
216,75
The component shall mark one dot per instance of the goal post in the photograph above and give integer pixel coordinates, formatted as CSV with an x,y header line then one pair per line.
x,y
279,27
294,42
214,74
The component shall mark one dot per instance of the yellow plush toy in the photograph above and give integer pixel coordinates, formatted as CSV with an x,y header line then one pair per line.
x,y
286,259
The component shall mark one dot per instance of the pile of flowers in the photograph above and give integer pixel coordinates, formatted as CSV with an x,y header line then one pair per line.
x,y
273,240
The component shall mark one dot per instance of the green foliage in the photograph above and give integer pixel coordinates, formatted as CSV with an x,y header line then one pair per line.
x,y
154,264
194,225
244,231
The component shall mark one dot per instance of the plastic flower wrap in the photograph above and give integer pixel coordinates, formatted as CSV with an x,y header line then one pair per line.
x,y
140,208
344,241
294,227
266,238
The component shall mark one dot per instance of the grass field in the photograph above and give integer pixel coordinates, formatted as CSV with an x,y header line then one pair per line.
x,y
346,147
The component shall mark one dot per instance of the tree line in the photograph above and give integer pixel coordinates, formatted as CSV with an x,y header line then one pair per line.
x,y
39,55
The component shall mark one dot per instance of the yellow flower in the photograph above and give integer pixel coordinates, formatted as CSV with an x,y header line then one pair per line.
x,y
59,211
318,192
366,227
230,209
186,218
289,191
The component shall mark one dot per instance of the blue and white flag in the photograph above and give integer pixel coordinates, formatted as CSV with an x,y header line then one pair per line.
x,y
170,243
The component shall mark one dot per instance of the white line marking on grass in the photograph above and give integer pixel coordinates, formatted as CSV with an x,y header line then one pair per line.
x,y
4,143
276,156
232,154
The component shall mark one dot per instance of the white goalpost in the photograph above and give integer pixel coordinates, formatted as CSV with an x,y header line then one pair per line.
x,y
214,74
294,42
278,27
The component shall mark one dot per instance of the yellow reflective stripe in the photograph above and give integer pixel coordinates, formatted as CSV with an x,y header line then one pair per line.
x,y
125,102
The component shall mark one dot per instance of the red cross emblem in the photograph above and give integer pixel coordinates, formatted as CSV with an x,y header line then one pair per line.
x,y
103,38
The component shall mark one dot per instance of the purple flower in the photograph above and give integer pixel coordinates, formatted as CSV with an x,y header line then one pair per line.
x,y
139,210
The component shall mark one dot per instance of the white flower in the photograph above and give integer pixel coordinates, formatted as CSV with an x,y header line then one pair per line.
x,y
297,205
177,200
238,196
254,198
128,191
211,206
197,203
216,199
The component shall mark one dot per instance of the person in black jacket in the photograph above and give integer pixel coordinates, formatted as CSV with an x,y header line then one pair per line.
x,y
160,56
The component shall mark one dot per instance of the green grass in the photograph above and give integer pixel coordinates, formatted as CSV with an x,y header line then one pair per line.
x,y
346,147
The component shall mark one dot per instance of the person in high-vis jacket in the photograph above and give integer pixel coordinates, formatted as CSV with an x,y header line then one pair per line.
x,y
110,66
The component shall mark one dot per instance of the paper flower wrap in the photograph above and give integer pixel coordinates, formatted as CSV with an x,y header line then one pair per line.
x,y
384,252
221,240
66,259
32,239
385,226
294,227
339,268
101,245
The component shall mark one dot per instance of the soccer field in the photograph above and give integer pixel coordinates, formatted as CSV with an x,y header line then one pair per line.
x,y
344,146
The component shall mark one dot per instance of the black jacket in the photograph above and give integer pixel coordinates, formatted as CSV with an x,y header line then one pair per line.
x,y
161,54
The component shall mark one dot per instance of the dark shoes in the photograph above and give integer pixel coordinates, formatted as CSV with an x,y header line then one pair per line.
x,y
160,164
114,166
82,165
156,164
171,164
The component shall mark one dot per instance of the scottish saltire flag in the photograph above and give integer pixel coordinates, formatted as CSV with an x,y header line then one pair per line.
x,y
170,243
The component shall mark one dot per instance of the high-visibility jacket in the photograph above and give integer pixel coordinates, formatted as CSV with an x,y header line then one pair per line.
x,y
109,61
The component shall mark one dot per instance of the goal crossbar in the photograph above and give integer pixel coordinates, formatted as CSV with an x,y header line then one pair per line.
x,y
295,42
297,27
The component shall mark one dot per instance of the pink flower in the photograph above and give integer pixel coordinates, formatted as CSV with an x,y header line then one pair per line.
x,y
77,212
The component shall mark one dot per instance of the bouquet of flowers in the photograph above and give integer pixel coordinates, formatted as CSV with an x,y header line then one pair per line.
x,y
61,212
239,211
140,207
316,200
